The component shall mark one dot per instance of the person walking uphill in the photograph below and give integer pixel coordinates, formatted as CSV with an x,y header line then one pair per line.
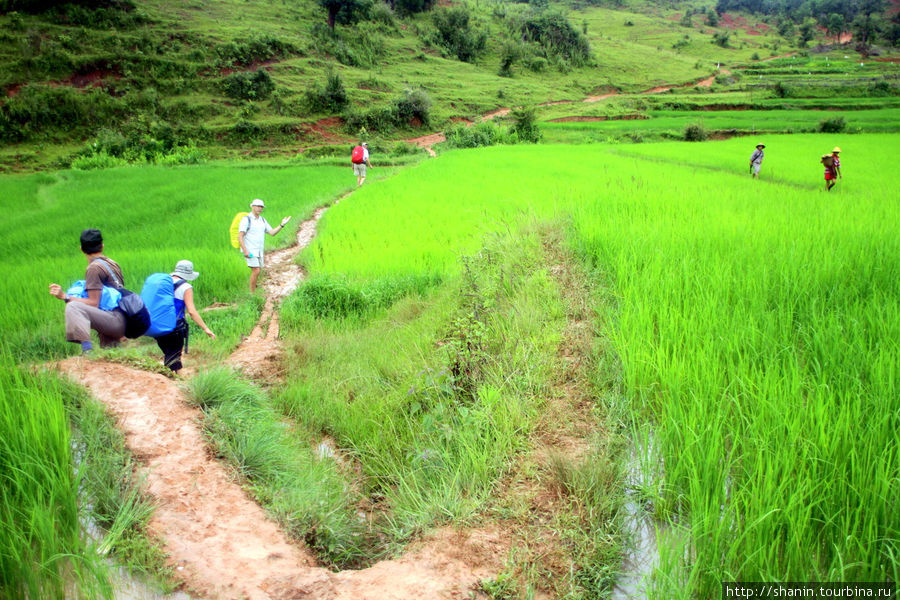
x,y
832,168
360,160
172,344
756,160
84,314
252,237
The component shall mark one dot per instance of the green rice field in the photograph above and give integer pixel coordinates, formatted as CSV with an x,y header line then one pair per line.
x,y
746,340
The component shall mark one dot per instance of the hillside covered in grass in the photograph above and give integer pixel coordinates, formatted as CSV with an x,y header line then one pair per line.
x,y
147,79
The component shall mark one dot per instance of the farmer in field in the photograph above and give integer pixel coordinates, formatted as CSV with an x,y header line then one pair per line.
x,y
252,237
173,343
756,160
84,314
360,160
832,168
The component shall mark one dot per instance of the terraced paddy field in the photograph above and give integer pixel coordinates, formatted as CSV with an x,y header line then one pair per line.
x,y
500,339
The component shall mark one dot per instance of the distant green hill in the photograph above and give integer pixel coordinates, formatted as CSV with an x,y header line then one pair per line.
x,y
248,76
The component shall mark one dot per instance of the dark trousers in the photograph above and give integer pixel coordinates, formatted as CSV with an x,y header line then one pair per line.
x,y
172,345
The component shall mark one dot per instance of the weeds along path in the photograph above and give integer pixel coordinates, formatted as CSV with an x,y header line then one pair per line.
x,y
221,542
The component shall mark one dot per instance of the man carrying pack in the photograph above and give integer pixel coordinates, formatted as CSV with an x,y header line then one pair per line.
x,y
756,160
360,160
252,238
84,314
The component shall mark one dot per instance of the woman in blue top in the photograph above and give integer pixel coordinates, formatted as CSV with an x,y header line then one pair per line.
x,y
173,343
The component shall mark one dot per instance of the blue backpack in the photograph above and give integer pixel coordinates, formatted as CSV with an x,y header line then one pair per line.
x,y
165,310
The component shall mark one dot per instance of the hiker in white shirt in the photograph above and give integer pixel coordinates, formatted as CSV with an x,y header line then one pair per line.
x,y
252,236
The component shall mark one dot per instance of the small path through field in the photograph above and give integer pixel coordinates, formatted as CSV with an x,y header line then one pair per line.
x,y
221,542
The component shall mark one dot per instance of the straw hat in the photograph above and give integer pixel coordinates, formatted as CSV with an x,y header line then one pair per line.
x,y
836,149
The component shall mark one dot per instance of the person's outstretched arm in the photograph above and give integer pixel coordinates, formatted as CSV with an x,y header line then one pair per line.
x,y
195,316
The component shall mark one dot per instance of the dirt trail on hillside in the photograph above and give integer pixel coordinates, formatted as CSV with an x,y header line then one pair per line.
x,y
220,542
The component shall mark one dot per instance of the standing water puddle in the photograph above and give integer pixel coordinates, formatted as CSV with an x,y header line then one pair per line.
x,y
643,554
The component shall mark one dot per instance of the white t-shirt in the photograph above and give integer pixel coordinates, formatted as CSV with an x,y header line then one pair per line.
x,y
255,230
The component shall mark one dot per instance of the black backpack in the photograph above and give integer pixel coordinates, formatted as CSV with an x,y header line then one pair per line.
x,y
137,317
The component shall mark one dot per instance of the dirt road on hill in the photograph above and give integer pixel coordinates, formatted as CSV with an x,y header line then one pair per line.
x,y
220,542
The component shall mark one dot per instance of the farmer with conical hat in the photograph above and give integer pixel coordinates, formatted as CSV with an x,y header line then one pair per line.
x,y
832,170
756,160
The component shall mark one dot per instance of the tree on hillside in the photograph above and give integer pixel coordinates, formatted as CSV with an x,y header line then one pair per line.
x,y
835,25
345,11
411,7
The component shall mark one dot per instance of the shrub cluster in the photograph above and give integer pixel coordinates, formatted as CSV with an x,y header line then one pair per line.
x,y
363,47
332,97
832,125
38,110
253,50
456,35
411,108
557,39
695,132
255,85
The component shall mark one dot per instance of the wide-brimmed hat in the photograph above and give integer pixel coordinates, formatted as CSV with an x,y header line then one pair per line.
x,y
836,149
365,143
91,241
258,202
185,270
760,145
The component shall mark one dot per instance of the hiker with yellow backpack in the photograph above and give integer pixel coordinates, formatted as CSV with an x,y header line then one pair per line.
x,y
832,168
252,228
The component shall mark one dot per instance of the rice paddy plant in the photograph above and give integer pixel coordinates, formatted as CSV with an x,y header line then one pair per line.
x,y
150,217
747,335
755,332
305,490
43,551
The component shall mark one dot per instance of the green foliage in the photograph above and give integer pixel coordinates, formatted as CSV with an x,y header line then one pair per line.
x,y
413,107
332,97
552,32
256,49
360,46
254,85
345,12
832,125
42,549
695,132
38,110
305,492
721,39
411,7
525,125
456,34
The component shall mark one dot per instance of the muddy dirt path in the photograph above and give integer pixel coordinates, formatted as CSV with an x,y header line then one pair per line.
x,y
220,542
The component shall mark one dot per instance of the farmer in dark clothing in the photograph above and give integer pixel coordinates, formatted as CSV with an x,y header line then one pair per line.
x,y
84,314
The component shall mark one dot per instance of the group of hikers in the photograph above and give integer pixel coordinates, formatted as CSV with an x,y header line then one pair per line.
x,y
87,310
94,303
831,162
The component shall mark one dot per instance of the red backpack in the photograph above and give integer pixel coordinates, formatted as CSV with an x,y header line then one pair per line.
x,y
358,156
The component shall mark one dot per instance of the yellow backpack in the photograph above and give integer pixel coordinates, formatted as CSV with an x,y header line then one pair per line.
x,y
235,224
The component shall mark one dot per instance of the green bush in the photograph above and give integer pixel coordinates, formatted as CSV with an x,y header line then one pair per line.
x,y
253,50
332,97
695,132
551,31
456,35
100,160
525,125
255,85
413,107
832,125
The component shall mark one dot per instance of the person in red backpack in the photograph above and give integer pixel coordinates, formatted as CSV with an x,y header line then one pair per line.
x,y
360,160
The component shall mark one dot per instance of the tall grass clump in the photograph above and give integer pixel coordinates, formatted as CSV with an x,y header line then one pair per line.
x,y
43,552
303,489
434,394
